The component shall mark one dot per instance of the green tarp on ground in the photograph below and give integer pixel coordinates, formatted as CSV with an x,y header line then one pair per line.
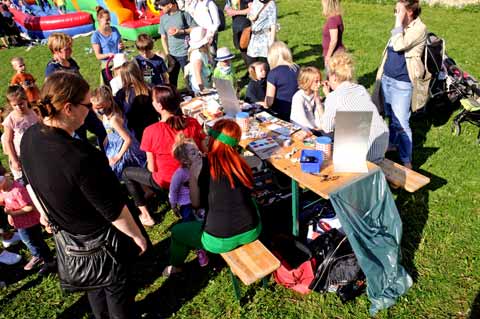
x,y
370,219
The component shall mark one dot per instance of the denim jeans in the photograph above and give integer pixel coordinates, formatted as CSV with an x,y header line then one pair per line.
x,y
180,62
32,237
134,178
397,100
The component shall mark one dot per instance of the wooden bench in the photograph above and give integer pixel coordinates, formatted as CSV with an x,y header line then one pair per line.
x,y
400,176
250,263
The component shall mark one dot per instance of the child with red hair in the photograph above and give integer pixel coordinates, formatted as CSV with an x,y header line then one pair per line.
x,y
221,183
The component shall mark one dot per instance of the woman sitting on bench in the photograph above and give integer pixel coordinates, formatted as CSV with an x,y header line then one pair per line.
x,y
220,183
350,96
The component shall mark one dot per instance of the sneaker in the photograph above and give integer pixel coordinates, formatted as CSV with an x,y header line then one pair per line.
x,y
12,241
32,263
202,257
9,258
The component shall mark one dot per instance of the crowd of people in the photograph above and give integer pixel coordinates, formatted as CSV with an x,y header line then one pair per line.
x,y
148,147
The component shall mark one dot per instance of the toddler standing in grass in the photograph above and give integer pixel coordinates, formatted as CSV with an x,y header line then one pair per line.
x,y
224,69
15,124
24,79
26,219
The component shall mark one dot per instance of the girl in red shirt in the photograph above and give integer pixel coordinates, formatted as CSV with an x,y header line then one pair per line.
x,y
157,142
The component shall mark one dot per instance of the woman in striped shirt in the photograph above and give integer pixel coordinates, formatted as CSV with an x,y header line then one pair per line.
x,y
350,96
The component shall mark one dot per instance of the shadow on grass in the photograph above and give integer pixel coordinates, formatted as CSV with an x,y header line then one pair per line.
x,y
413,207
179,289
293,13
12,295
367,79
313,50
475,308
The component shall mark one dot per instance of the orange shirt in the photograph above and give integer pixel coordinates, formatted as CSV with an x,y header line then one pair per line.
x,y
27,81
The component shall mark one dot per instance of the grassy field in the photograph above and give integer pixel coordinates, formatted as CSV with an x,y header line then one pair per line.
x,y
441,222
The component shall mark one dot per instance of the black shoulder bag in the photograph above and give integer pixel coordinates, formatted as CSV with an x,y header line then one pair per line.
x,y
85,262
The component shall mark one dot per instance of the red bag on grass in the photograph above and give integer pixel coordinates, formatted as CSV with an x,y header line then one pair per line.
x,y
297,269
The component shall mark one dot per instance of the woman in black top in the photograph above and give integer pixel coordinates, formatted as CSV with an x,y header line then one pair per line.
x,y
222,184
73,179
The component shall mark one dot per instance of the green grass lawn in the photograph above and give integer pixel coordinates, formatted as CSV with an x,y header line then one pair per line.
x,y
441,222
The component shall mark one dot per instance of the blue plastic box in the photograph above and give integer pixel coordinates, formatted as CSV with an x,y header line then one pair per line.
x,y
311,167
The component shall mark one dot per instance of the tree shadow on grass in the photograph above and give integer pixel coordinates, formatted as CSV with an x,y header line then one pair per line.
x,y
314,50
12,295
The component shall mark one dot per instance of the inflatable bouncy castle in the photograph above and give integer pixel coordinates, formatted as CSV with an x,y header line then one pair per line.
x,y
124,16
39,22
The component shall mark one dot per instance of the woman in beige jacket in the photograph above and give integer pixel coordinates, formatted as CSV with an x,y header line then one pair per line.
x,y
402,74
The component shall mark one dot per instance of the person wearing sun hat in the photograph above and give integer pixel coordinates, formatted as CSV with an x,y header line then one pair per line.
x,y
199,69
224,69
118,61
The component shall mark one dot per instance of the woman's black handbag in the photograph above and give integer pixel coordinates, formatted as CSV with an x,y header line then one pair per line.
x,y
91,261
86,262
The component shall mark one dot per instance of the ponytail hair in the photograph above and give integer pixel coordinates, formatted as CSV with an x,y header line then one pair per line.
x,y
60,88
168,97
101,11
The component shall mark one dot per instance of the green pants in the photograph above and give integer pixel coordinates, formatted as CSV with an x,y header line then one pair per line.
x,y
190,235
185,236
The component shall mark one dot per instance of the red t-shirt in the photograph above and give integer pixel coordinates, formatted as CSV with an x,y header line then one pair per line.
x,y
159,138
334,22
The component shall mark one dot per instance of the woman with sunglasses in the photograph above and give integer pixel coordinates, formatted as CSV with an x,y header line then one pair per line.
x,y
221,183
79,190
157,142
402,77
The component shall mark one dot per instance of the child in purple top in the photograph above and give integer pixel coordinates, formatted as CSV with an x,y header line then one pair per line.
x,y
185,151
332,30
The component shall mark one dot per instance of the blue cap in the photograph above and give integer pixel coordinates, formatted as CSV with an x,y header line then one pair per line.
x,y
324,140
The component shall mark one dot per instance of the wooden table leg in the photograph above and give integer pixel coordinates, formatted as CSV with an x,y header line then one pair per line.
x,y
295,207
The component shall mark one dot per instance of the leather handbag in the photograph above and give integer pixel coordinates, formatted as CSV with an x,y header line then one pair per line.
x,y
245,38
90,261
85,262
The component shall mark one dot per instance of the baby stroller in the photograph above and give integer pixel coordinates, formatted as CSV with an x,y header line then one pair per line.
x,y
465,88
451,83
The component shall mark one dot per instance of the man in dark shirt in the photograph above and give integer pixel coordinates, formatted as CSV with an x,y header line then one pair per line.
x,y
238,10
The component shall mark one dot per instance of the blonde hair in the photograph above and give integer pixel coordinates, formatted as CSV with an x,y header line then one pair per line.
x,y
104,94
279,54
58,41
331,8
180,150
132,76
17,59
307,76
251,69
341,64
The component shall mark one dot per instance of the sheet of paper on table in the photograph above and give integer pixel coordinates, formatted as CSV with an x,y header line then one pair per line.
x,y
228,97
352,130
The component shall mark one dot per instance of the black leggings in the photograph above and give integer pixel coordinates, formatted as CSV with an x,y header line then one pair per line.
x,y
134,177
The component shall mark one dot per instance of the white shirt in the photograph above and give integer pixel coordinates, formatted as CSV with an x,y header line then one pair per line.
x,y
116,84
304,110
205,14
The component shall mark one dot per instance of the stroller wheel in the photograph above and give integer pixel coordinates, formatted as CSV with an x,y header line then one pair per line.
x,y
456,129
